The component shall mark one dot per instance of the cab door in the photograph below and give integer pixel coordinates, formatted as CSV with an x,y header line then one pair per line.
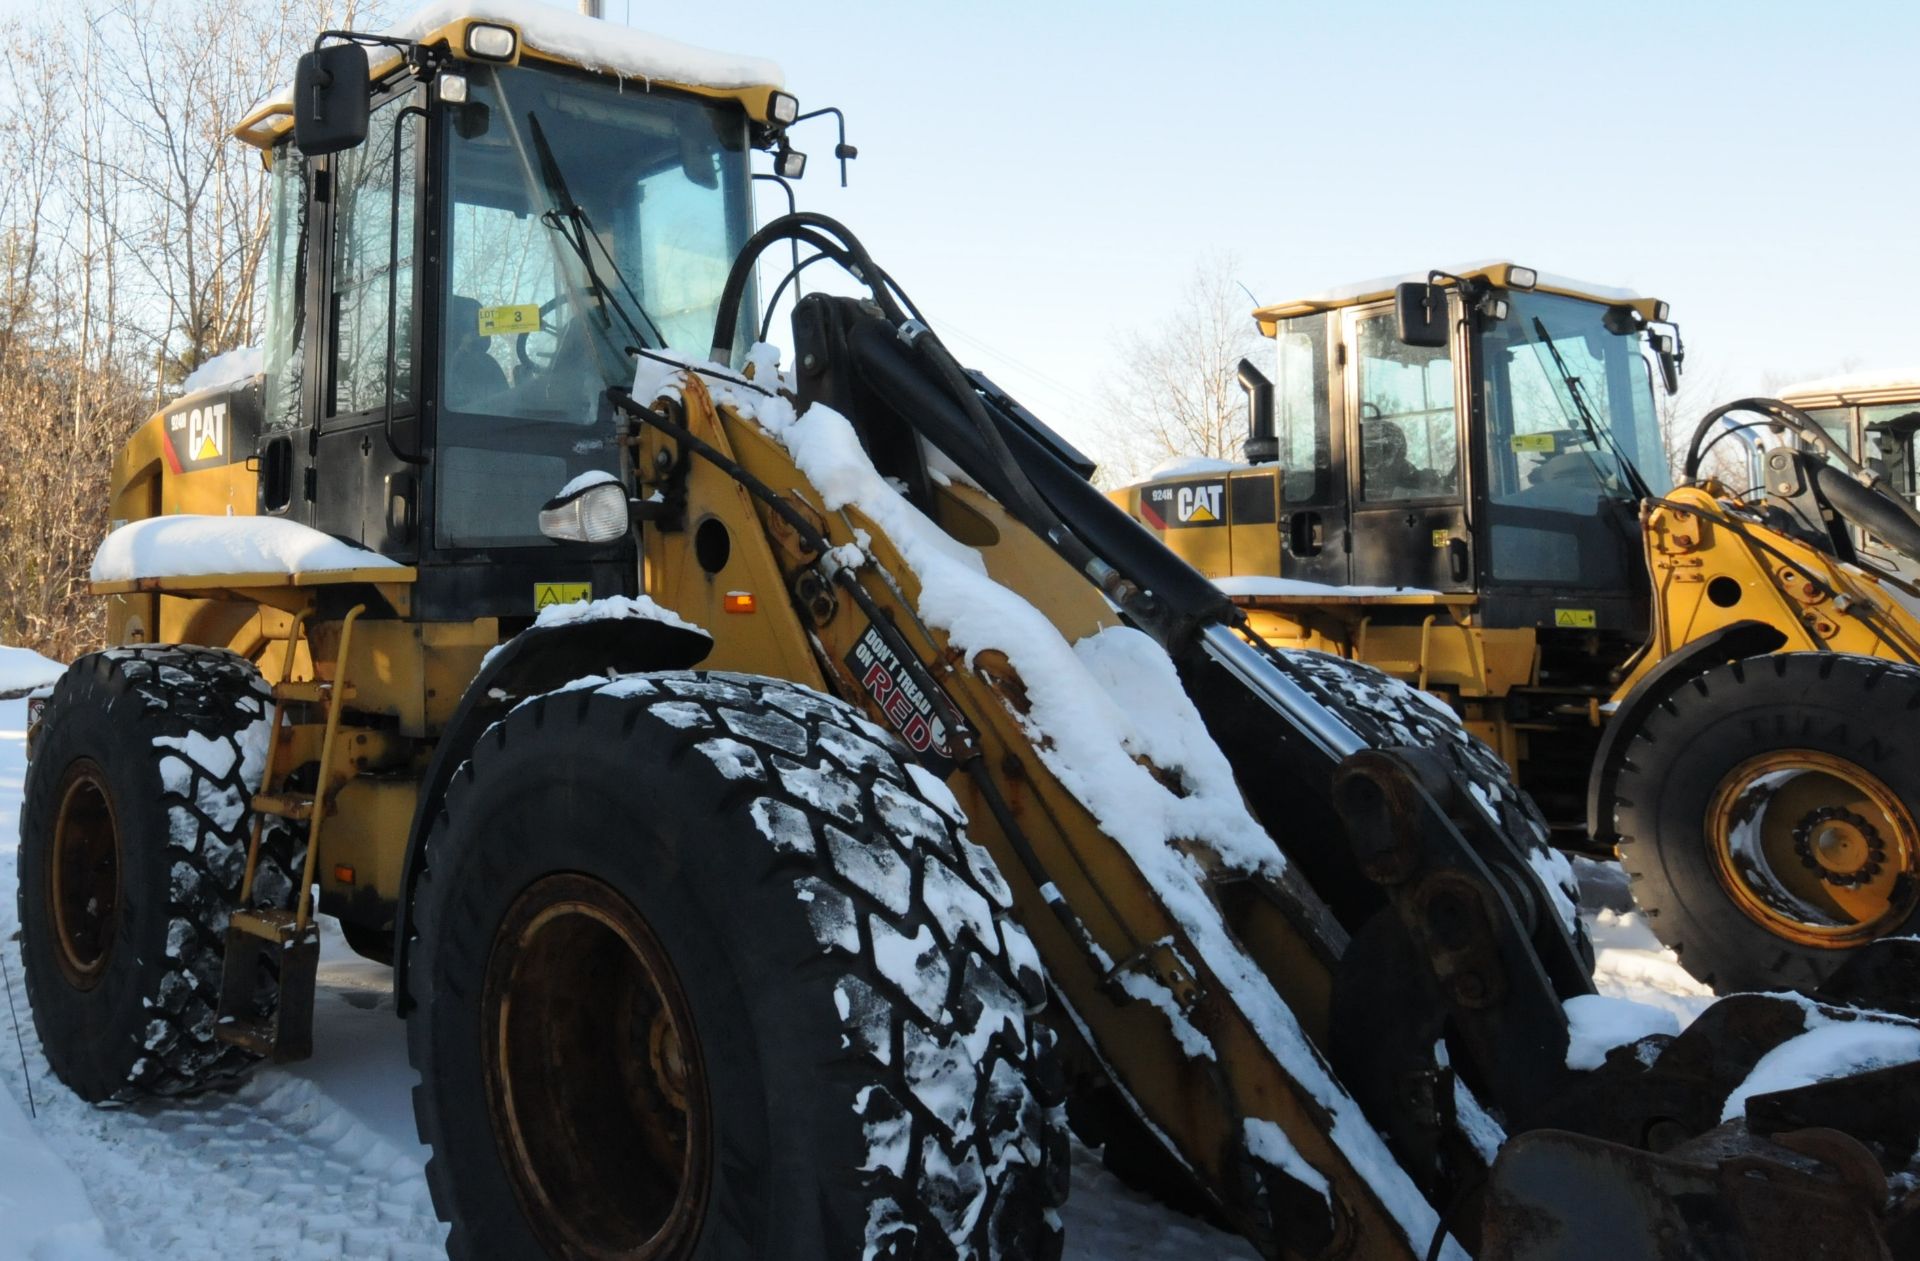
x,y
1313,544
1407,475
365,489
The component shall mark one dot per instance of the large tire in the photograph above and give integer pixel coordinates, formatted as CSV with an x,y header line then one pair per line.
x,y
133,842
1723,774
746,872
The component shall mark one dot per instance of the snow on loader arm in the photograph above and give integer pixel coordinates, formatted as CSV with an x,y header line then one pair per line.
x,y
1305,934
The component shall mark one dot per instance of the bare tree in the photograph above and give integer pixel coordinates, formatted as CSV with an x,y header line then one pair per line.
x,y
1680,413
131,233
1175,391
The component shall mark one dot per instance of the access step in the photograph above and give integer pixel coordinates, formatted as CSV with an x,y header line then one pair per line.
x,y
308,691
295,806
266,987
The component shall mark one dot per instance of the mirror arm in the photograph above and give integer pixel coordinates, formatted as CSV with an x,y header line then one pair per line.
x,y
842,150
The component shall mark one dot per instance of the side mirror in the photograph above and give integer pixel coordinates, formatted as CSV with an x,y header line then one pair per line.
x,y
1420,315
592,508
1666,350
330,99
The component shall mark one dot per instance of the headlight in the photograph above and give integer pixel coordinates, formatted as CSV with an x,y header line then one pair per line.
x,y
1522,277
596,513
495,43
791,163
782,109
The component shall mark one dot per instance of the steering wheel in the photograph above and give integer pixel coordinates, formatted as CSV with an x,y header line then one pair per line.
x,y
520,339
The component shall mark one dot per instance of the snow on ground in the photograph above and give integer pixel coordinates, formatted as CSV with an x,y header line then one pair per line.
x,y
1629,961
23,669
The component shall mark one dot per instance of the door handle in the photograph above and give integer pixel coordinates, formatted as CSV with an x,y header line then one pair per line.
x,y
1306,534
1457,559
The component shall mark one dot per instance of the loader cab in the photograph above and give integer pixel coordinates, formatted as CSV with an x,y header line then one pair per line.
x,y
1874,417
450,298
1501,452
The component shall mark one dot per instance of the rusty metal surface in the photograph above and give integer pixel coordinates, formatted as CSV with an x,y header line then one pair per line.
x,y
1733,1198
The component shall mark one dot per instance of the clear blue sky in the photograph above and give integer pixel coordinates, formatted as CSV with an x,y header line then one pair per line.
x,y
1043,175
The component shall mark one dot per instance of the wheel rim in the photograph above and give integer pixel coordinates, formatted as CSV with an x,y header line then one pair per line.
x,y
1814,848
84,876
594,1076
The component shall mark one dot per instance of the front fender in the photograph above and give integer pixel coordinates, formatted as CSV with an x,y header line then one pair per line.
x,y
537,660
1729,643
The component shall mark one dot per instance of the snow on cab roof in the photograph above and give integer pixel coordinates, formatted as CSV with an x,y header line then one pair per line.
x,y
1849,384
1496,270
554,34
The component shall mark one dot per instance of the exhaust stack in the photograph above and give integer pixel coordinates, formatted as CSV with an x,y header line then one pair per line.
x,y
1262,447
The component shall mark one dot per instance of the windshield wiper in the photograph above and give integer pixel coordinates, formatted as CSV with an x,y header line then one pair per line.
x,y
577,231
1601,435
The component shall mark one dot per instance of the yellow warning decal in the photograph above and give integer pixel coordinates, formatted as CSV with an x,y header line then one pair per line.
x,y
505,321
548,594
1533,442
1442,537
1574,619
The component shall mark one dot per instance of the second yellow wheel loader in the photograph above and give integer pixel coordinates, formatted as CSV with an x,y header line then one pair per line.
x,y
889,796
1463,481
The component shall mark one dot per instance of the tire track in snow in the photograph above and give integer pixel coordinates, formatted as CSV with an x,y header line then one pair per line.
x,y
275,1169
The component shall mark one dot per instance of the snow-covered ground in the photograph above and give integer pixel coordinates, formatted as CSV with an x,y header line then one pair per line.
x,y
22,670
320,1159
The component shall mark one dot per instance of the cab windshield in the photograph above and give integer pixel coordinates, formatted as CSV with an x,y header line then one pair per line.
x,y
584,220
1570,426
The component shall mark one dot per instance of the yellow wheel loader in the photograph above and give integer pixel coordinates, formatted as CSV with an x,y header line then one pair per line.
x,y
1873,417
1463,482
786,798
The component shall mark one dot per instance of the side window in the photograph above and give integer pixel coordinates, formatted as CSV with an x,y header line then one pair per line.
x,y
370,261
1300,408
1408,440
1887,435
286,256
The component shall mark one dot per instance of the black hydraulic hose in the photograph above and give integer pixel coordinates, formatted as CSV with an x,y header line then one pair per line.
x,y
1781,415
791,278
1171,599
1020,495
1879,513
806,226
1852,489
